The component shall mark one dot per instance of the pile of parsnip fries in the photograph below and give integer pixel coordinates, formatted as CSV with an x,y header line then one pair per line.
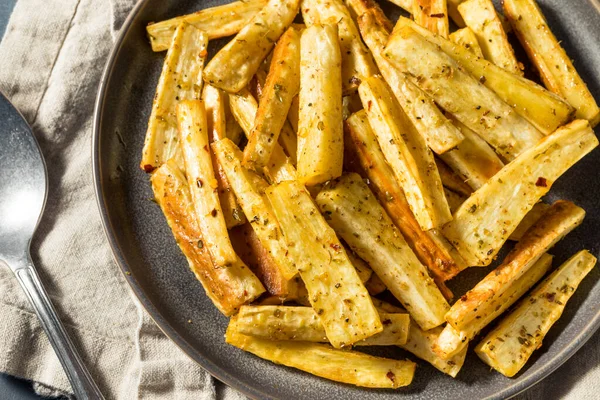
x,y
308,167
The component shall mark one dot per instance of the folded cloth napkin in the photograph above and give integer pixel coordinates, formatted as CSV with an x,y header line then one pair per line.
x,y
51,59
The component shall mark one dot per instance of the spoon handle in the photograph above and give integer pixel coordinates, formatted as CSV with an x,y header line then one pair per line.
x,y
83,385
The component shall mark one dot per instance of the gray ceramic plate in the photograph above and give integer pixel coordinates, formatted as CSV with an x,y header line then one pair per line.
x,y
159,276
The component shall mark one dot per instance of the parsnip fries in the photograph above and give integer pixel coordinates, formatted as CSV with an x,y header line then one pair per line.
x,y
459,93
356,215
466,38
407,153
486,220
344,366
249,188
216,22
542,108
508,347
430,247
302,324
282,84
555,66
320,130
357,62
228,288
334,289
481,17
180,79
432,15
439,133
193,135
234,65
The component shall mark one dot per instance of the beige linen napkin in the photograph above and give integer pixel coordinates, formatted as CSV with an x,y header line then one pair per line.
x,y
51,59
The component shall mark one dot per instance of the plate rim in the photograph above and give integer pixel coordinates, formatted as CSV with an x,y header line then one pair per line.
x,y
221,374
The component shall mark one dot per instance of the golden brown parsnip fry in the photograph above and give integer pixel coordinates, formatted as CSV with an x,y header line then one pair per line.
x,y
421,343
335,290
294,113
454,14
214,103
455,200
302,324
439,133
320,129
473,159
432,15
356,215
453,341
350,105
236,63
407,154
228,288
384,306
357,62
486,220
233,129
359,7
321,360
363,147
481,17
560,219
461,94
542,108
508,347
406,5
216,22
180,79
467,39
528,220
244,108
555,66
452,181
282,84
247,245
193,137
249,189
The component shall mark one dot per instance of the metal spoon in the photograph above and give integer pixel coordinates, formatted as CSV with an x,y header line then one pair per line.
x,y
22,197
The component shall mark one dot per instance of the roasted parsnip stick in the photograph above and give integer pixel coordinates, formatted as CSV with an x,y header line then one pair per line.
x,y
421,343
542,108
294,113
320,129
356,215
334,288
508,347
555,66
453,341
486,220
214,103
228,288
302,324
248,246
454,199
528,220
357,62
459,93
473,159
180,79
321,360
375,285
557,222
407,154
467,39
282,84
236,63
432,15
362,268
360,7
439,133
452,181
406,5
430,247
249,189
216,22
193,137
481,17
244,108
454,14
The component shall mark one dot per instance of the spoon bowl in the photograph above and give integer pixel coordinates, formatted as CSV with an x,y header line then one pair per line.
x,y
23,189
